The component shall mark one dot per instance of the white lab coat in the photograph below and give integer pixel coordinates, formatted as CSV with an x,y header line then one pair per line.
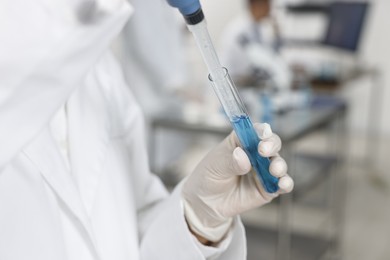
x,y
106,205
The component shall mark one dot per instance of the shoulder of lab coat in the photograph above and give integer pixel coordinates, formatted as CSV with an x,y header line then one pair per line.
x,y
160,216
46,52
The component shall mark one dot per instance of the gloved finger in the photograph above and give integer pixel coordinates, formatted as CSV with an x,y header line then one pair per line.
x,y
278,167
286,184
241,161
270,147
270,143
264,130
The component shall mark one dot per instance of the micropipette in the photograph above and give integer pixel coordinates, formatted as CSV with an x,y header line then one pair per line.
x,y
226,91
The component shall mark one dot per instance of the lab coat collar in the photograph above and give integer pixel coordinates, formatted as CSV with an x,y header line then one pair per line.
x,y
88,134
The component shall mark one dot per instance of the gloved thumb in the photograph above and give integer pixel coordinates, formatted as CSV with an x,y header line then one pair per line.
x,y
228,159
241,161
264,130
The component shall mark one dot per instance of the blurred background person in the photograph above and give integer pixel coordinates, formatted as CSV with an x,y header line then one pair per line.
x,y
250,47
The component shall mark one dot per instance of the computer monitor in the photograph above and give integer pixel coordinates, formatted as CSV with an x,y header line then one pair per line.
x,y
346,22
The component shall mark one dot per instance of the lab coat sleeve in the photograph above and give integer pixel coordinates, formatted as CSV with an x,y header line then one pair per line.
x,y
169,230
45,54
163,231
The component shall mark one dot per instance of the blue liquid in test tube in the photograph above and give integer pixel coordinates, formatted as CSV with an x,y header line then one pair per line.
x,y
249,141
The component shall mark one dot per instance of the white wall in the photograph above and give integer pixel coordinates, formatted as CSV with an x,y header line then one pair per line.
x,y
375,50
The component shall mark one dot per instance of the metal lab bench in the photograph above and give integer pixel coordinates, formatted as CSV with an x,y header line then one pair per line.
x,y
290,126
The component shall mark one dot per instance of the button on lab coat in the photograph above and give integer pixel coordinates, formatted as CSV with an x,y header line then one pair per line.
x,y
105,204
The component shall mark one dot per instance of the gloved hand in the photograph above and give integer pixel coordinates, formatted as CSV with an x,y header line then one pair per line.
x,y
220,187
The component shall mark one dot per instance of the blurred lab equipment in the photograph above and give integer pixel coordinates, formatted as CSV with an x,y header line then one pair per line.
x,y
342,34
267,65
333,62
346,22
228,96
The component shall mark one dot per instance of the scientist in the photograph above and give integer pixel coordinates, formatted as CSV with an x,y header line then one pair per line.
x,y
251,45
74,177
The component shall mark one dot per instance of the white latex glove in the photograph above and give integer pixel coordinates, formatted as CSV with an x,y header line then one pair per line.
x,y
220,187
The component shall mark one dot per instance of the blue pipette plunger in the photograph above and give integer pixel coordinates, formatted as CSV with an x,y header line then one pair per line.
x,y
186,7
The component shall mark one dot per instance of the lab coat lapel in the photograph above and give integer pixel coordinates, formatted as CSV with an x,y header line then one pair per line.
x,y
88,138
46,156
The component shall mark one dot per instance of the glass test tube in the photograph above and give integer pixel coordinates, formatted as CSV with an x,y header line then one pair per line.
x,y
239,118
